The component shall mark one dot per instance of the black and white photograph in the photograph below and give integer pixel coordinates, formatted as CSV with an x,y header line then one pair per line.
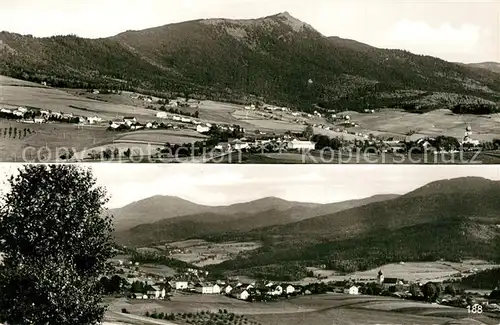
x,y
165,244
250,81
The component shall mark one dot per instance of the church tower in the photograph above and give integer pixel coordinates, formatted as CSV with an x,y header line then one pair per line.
x,y
380,277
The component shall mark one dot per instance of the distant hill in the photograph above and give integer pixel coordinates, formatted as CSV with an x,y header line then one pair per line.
x,y
449,219
492,66
270,58
165,218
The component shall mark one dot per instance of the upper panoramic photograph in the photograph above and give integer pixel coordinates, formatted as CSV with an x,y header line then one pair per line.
x,y
260,82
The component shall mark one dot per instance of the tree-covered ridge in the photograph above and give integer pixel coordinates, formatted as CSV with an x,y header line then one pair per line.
x,y
272,58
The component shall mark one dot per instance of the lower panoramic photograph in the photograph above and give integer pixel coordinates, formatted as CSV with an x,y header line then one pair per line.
x,y
144,244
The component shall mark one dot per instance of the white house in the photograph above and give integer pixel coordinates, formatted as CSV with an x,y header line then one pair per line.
x,y
38,120
4,110
185,120
161,114
129,120
289,289
239,145
301,145
149,125
116,124
276,290
94,119
18,113
181,285
227,289
242,294
154,292
202,129
22,109
207,288
176,118
351,290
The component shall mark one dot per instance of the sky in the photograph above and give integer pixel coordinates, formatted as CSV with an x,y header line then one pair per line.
x,y
457,31
228,184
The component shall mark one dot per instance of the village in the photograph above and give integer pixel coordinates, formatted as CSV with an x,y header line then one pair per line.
x,y
313,132
129,281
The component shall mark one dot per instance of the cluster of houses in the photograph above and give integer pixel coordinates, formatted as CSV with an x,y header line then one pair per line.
x,y
26,115
275,144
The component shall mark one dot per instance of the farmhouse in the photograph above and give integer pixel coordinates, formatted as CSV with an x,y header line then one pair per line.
x,y
139,296
239,145
116,124
181,285
207,288
351,290
289,289
241,294
154,292
392,282
202,129
301,145
94,119
227,289
129,120
161,115
276,290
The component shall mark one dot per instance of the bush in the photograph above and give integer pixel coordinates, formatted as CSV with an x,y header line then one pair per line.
x,y
125,311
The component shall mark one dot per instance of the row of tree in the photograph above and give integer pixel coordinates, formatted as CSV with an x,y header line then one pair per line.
x,y
15,132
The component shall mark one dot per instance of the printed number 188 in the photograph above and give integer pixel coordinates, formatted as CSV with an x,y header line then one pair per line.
x,y
475,309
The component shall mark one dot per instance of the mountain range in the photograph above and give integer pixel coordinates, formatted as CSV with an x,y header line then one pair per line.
x,y
450,219
165,218
267,59
492,66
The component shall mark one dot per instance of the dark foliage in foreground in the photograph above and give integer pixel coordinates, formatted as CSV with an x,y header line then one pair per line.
x,y
56,244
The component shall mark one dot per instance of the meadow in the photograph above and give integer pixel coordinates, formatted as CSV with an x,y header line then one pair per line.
x,y
437,271
19,93
386,123
202,253
319,309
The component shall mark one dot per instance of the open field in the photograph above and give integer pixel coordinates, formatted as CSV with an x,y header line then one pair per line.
x,y
14,93
172,136
438,122
321,309
316,157
202,253
50,135
411,271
